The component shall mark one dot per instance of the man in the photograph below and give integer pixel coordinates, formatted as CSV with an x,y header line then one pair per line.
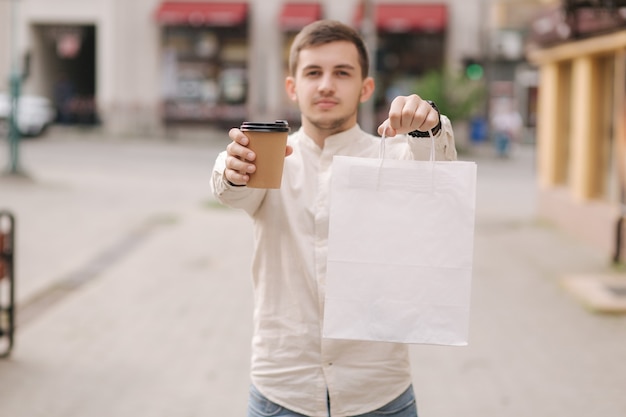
x,y
294,371
506,123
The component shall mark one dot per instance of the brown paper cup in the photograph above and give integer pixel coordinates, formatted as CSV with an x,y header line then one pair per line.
x,y
268,141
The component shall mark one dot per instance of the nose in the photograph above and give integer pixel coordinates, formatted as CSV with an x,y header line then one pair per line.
x,y
327,84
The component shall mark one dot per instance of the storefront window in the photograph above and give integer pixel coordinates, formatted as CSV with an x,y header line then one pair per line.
x,y
402,58
204,74
410,40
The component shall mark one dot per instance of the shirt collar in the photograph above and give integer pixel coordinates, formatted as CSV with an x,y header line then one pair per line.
x,y
337,142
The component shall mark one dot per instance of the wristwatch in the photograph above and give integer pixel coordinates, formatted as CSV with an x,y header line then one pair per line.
x,y
435,130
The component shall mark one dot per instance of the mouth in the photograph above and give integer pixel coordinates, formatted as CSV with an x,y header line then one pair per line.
x,y
325,103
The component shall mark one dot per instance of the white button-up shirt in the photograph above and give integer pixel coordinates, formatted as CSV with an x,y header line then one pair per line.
x,y
292,365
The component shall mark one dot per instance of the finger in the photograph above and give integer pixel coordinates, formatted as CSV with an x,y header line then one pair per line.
x,y
236,177
236,164
238,136
237,171
429,120
385,129
238,156
420,116
288,150
239,151
403,113
409,114
395,112
239,143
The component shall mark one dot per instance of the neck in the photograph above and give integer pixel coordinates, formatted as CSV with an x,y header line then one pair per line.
x,y
319,132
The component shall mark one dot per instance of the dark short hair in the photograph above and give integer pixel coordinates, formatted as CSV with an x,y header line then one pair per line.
x,y
326,31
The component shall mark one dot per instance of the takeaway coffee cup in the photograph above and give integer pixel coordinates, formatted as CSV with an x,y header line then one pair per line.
x,y
268,141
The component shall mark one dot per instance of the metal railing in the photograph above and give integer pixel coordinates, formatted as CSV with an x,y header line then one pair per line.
x,y
7,282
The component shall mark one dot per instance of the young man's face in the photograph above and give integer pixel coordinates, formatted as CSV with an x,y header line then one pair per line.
x,y
328,87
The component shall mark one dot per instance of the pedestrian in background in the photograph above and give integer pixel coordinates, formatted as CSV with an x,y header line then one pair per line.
x,y
506,123
294,371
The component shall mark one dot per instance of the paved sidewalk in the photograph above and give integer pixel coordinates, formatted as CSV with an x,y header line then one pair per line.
x,y
153,301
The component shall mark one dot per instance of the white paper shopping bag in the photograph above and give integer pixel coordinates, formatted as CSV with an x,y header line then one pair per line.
x,y
400,250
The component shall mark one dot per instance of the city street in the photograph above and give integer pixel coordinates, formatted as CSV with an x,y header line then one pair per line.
x,y
134,297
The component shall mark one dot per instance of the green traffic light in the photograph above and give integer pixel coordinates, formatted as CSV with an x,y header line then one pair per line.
x,y
474,72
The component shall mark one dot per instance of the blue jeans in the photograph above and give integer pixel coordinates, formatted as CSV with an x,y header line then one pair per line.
x,y
503,144
403,406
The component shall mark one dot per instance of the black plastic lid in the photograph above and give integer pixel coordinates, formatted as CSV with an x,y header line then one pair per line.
x,y
277,126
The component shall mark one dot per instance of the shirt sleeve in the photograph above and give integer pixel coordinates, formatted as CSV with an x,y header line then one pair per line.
x,y
445,148
247,199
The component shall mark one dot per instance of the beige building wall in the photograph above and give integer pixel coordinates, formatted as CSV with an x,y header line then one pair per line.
x,y
127,53
581,136
60,12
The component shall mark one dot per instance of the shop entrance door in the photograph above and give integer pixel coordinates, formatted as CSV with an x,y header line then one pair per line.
x,y
68,70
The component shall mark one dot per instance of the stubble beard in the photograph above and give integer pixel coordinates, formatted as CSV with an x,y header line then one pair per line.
x,y
331,126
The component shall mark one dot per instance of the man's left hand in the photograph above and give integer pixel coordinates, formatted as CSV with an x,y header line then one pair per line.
x,y
409,113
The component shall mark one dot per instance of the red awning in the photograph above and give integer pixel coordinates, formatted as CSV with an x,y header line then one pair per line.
x,y
201,13
409,17
295,16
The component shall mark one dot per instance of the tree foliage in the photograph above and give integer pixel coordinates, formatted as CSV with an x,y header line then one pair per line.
x,y
455,95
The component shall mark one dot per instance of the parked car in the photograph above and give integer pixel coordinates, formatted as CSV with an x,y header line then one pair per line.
x,y
34,114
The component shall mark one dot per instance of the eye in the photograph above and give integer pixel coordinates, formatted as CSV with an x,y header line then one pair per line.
x,y
312,73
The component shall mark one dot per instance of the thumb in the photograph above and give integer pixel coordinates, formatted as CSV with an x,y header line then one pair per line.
x,y
385,129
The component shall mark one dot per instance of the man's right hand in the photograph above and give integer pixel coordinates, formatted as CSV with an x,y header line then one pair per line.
x,y
240,159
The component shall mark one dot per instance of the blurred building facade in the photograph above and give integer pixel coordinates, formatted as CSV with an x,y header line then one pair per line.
x,y
580,50
141,65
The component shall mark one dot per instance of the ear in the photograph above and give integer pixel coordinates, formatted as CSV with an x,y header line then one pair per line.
x,y
290,87
367,89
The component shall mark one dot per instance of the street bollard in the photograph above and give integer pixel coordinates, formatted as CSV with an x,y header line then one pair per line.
x,y
14,132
